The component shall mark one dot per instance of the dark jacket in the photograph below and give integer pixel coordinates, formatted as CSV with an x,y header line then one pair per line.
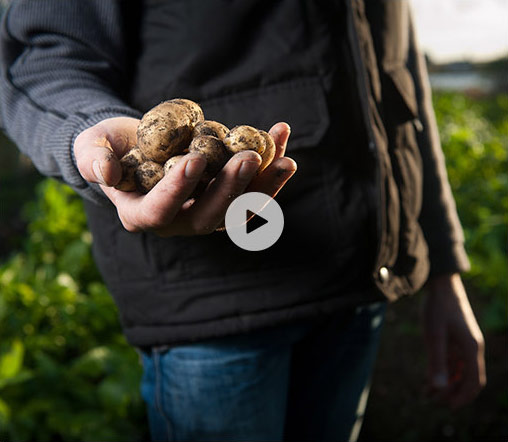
x,y
369,212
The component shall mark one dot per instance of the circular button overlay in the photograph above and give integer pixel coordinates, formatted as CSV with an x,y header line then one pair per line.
x,y
265,221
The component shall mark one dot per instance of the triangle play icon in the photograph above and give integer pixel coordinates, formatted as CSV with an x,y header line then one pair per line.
x,y
255,223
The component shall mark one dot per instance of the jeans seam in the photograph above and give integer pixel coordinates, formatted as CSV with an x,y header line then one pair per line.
x,y
159,394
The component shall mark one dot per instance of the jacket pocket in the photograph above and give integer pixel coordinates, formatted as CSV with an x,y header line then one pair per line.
x,y
300,103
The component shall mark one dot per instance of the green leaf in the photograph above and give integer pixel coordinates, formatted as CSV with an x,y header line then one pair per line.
x,y
5,413
94,363
11,360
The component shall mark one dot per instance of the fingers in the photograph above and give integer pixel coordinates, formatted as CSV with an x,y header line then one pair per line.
x,y
274,177
208,212
457,370
98,149
280,133
471,375
157,209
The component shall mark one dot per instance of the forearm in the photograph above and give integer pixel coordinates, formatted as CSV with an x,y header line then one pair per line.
x,y
62,70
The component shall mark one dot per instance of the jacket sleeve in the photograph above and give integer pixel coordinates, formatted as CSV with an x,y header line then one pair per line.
x,y
62,70
438,218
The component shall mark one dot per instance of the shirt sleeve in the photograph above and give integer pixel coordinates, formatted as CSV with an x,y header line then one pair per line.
x,y
439,220
62,70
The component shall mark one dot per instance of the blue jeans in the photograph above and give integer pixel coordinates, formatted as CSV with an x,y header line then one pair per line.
x,y
306,381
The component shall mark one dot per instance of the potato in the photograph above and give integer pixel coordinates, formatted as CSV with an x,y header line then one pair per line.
x,y
176,127
215,152
166,130
147,175
194,110
130,162
171,162
269,154
213,128
244,137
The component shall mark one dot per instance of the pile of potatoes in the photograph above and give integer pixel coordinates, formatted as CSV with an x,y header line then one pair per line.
x,y
175,127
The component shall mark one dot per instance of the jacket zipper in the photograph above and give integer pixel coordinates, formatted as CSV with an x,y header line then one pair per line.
x,y
362,89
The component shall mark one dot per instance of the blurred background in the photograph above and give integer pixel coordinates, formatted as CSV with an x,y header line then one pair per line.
x,y
466,44
66,372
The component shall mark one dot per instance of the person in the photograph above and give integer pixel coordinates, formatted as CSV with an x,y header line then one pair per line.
x,y
276,344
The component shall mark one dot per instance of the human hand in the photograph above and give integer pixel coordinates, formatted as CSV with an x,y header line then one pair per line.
x,y
454,341
166,209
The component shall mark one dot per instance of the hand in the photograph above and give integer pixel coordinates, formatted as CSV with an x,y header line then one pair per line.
x,y
454,342
166,209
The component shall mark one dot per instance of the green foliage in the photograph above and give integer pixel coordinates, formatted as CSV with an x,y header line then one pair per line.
x,y
474,134
66,372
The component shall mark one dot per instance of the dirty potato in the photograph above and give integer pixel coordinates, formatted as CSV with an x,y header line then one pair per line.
x,y
171,162
176,127
213,128
244,137
269,154
215,152
129,163
147,175
193,109
166,130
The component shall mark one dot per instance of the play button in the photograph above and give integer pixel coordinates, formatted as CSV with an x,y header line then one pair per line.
x,y
254,221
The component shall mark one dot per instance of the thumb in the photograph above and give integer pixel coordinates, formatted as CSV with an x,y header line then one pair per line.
x,y
96,159
101,166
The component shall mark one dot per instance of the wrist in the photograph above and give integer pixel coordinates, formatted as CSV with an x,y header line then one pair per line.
x,y
447,290
443,283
